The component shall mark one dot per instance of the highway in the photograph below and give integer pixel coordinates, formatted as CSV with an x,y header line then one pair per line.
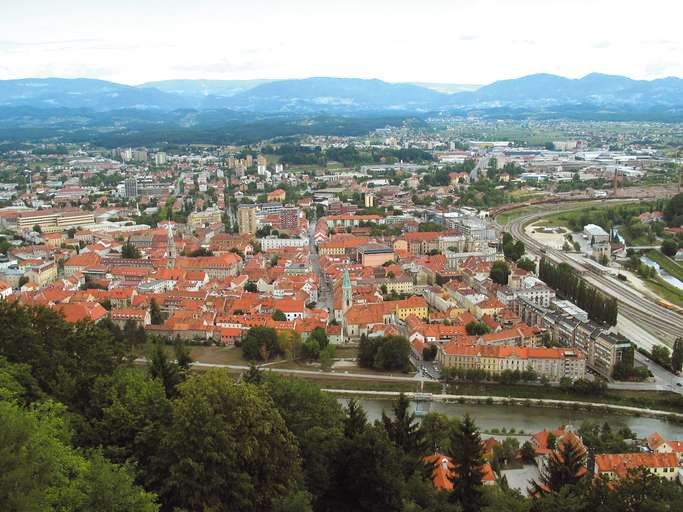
x,y
666,325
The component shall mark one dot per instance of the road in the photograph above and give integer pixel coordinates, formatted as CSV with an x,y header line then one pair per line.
x,y
325,298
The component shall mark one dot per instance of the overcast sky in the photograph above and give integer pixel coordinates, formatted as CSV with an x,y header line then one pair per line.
x,y
450,41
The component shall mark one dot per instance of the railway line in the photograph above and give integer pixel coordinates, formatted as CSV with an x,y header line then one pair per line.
x,y
661,322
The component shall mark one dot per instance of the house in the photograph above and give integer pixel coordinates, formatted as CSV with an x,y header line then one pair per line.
x,y
80,262
658,444
549,444
444,468
277,195
5,290
616,466
292,308
81,311
415,305
122,315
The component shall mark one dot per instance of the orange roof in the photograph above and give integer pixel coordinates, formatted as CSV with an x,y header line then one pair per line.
x,y
124,313
414,301
621,463
655,440
81,311
83,260
443,471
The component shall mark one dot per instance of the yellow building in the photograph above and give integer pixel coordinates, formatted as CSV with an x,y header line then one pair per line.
x,y
42,274
551,363
54,220
412,306
246,219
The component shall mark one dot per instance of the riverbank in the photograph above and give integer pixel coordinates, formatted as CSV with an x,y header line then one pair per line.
x,y
489,400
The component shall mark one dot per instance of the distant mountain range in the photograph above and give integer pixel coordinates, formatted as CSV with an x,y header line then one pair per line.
x,y
245,109
534,93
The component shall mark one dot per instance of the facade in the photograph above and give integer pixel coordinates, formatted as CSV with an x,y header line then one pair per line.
x,y
616,466
415,305
551,363
595,234
289,218
374,255
246,218
199,219
270,243
54,219
658,444
131,187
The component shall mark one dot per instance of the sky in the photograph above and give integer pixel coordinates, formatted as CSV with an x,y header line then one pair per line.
x,y
443,41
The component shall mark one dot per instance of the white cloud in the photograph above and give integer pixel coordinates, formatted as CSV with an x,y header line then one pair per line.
x,y
462,41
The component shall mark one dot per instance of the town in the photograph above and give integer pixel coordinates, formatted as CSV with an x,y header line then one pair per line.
x,y
404,261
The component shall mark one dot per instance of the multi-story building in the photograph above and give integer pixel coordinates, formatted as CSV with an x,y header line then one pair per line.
x,y
140,155
200,219
289,218
271,243
246,218
570,327
552,363
54,219
374,255
616,466
415,305
42,274
160,158
131,187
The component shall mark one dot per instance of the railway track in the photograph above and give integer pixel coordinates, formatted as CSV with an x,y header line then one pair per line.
x,y
663,323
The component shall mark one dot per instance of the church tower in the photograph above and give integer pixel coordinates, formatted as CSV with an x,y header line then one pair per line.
x,y
171,249
347,292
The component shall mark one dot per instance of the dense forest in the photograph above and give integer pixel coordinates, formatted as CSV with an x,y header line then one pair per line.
x,y
83,429
137,127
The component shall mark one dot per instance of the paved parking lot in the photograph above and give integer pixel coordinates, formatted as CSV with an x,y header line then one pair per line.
x,y
519,478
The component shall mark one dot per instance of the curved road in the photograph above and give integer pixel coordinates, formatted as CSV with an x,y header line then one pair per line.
x,y
665,324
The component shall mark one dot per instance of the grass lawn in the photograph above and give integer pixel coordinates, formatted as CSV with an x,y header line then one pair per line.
x,y
671,266
373,385
218,355
665,290
664,400
506,217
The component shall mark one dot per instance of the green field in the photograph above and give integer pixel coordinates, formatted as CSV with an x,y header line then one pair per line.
x,y
665,290
506,217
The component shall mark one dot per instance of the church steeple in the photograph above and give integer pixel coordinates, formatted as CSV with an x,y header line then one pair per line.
x,y
170,249
347,292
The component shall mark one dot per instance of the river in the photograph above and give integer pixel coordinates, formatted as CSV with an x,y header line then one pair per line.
x,y
662,273
533,419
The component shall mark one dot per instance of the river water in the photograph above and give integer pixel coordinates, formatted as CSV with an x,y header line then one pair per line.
x,y
662,273
532,419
